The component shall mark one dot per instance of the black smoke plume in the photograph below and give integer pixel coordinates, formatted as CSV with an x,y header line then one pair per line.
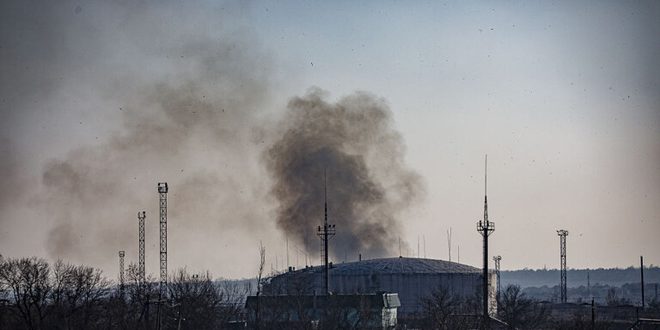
x,y
368,184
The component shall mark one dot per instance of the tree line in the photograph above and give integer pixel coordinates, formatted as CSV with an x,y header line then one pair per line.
x,y
516,310
37,295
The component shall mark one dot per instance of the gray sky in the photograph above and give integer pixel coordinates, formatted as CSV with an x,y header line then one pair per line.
x,y
101,100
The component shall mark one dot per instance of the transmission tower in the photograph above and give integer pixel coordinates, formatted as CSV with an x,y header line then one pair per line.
x,y
121,272
485,227
562,261
141,216
641,269
497,260
325,233
162,191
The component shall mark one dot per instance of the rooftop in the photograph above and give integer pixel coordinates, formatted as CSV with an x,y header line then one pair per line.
x,y
395,266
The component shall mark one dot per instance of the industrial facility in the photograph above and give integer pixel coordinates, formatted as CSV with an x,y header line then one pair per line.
x,y
411,278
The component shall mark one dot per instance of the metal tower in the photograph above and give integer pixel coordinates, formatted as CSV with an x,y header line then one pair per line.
x,y
121,272
162,191
325,233
641,270
497,260
141,216
485,227
562,260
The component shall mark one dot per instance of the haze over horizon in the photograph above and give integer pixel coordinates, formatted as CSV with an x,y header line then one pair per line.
x,y
101,100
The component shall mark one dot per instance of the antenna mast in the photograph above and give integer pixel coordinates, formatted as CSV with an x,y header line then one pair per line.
x,y
562,261
121,273
485,227
326,233
141,216
162,191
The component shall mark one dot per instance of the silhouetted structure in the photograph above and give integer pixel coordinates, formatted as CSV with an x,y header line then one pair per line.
x,y
162,191
497,260
141,216
325,234
485,227
562,260
641,272
121,271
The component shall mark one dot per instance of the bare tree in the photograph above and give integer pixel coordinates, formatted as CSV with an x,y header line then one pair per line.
x,y
195,302
139,297
613,299
443,310
518,311
260,272
29,288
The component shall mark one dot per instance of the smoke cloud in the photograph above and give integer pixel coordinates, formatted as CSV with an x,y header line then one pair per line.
x,y
167,91
134,93
368,183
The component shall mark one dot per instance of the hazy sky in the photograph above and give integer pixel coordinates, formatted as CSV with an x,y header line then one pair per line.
x,y
101,100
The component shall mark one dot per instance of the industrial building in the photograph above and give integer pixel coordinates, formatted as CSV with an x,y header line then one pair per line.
x,y
352,311
411,278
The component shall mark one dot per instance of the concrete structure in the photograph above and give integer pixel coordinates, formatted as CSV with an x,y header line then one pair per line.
x,y
411,278
355,311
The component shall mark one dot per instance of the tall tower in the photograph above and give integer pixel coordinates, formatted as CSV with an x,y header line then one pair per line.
x,y
485,227
325,233
562,261
121,272
162,191
497,260
141,216
641,269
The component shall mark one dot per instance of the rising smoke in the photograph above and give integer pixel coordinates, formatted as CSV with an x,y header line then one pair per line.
x,y
168,91
145,92
368,184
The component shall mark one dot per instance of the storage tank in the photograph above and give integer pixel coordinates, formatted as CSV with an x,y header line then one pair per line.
x,y
411,278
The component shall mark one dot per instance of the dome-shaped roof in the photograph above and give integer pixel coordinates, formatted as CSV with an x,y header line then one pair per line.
x,y
396,266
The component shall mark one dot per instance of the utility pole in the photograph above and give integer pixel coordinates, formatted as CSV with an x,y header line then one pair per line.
x,y
589,284
641,270
325,233
141,216
593,314
562,260
449,243
485,227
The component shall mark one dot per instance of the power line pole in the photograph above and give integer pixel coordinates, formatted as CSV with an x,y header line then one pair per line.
x,y
485,227
589,284
562,260
641,269
141,216
449,243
